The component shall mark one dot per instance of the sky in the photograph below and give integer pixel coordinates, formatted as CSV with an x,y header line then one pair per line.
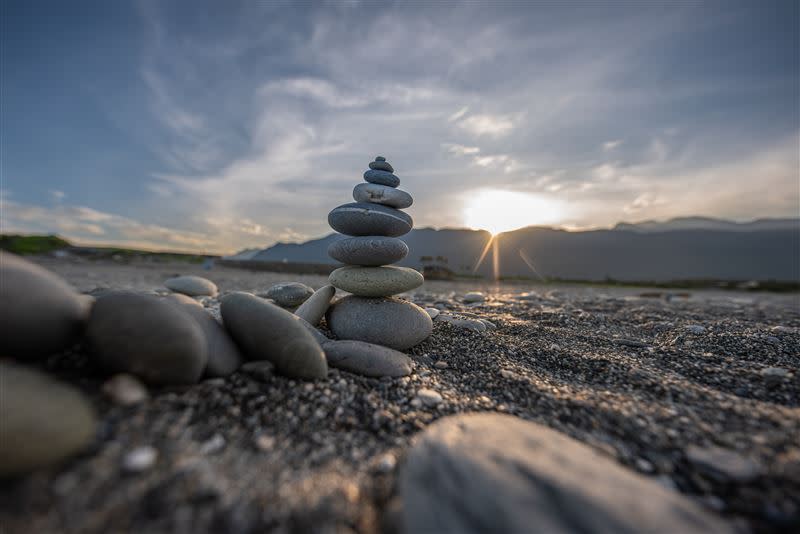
x,y
215,126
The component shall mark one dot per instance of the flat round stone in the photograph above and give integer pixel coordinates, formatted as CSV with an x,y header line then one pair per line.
x,y
191,285
382,194
368,250
40,314
363,218
43,420
375,281
288,294
380,158
381,177
265,331
366,359
389,321
525,477
381,166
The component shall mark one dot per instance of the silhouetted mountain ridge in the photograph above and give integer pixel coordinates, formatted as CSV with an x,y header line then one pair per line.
x,y
679,249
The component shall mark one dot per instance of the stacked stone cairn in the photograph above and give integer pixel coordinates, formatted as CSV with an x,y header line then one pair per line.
x,y
374,222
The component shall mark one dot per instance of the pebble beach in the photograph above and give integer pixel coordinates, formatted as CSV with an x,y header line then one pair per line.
x,y
695,397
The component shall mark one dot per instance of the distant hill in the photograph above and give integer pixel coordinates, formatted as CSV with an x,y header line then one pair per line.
x,y
679,249
32,244
707,223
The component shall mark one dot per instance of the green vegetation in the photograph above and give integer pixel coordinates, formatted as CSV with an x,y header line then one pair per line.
x,y
32,244
46,244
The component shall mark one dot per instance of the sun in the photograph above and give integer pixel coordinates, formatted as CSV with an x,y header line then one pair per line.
x,y
497,210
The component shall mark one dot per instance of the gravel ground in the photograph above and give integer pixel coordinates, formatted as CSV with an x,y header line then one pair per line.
x,y
653,382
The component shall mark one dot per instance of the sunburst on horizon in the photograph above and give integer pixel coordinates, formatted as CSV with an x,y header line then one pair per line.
x,y
498,210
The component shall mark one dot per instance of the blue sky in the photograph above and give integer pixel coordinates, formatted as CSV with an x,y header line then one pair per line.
x,y
221,125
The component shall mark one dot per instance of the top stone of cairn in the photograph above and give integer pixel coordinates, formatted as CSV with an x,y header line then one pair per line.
x,y
380,164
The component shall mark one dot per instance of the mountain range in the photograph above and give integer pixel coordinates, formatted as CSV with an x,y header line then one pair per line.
x,y
689,248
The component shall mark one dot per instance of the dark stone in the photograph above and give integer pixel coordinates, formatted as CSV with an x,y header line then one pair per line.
x,y
497,473
223,354
40,314
365,219
368,250
382,178
267,332
367,359
151,338
381,166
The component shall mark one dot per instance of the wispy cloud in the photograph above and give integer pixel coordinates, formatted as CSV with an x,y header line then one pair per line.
x,y
485,124
88,225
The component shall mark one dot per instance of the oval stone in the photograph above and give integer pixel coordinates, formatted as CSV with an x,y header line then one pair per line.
x,y
223,355
43,420
194,286
382,178
265,331
368,250
525,477
375,281
40,314
367,359
313,309
382,194
381,166
288,294
363,218
390,322
151,338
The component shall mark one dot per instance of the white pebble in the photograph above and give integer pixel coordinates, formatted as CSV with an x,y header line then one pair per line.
x,y
386,463
429,397
125,390
265,442
140,459
474,296
433,312
213,445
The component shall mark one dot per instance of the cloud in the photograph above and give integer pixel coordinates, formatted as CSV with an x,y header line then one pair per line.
x,y
87,225
458,114
485,124
643,202
460,150
57,195
611,145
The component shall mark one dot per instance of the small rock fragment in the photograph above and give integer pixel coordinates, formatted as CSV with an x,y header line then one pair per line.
x,y
213,445
429,397
474,296
140,459
125,389
433,312
722,464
